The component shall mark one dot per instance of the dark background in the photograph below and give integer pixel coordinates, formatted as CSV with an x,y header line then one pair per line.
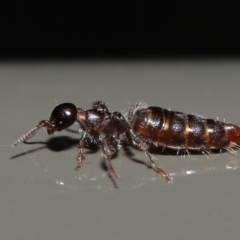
x,y
113,29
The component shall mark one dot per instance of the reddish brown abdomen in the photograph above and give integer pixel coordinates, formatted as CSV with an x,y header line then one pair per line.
x,y
182,131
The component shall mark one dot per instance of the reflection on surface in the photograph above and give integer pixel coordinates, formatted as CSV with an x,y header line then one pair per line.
x,y
130,165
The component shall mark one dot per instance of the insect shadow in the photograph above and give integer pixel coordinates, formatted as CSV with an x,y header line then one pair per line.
x,y
63,143
57,144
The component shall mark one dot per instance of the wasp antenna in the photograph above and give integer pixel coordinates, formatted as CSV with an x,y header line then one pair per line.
x,y
31,133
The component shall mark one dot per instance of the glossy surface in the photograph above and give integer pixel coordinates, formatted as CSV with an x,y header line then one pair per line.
x,y
42,197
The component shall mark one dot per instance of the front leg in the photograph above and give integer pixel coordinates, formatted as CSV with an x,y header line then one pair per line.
x,y
81,146
109,149
83,142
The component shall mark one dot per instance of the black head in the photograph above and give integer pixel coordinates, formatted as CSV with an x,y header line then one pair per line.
x,y
62,117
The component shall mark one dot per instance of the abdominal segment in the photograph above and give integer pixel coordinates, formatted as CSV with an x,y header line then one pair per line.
x,y
177,130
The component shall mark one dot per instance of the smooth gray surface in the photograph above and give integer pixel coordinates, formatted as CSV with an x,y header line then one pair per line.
x,y
42,197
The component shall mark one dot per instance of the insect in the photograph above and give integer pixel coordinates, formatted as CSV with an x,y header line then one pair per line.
x,y
144,127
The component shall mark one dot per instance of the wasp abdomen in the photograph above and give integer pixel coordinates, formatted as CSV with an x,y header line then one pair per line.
x,y
173,129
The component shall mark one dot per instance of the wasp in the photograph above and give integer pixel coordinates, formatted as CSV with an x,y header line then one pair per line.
x,y
144,127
